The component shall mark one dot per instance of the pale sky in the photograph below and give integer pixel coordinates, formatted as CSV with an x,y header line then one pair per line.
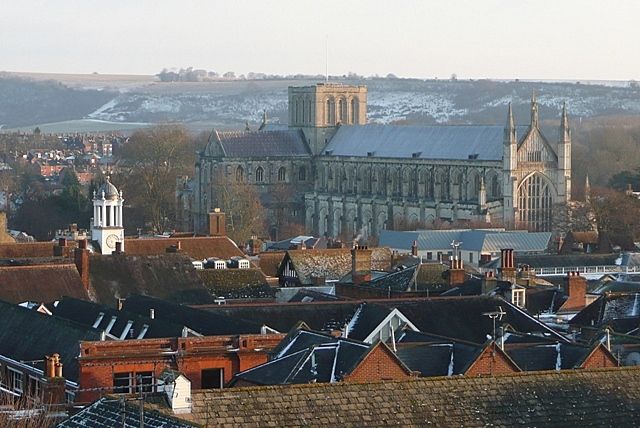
x,y
542,39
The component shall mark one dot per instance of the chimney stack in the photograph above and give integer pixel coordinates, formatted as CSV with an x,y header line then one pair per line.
x,y
360,264
414,249
575,287
152,313
507,265
456,272
81,258
217,225
489,282
58,250
53,387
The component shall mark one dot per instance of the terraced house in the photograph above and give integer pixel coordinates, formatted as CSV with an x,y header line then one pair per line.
x,y
343,177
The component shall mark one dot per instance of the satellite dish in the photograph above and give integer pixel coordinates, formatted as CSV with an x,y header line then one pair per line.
x,y
632,359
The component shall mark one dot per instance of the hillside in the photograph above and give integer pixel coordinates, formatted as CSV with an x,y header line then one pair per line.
x,y
30,100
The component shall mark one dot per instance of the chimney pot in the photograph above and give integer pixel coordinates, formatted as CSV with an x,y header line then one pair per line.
x,y
152,313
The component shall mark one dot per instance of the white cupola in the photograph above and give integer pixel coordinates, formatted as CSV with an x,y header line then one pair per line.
x,y
106,228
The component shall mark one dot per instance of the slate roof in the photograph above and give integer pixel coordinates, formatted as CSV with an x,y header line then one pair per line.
x,y
40,283
102,317
203,322
456,317
28,335
242,144
197,247
604,397
107,413
332,264
558,356
459,142
607,309
166,276
308,357
438,359
490,240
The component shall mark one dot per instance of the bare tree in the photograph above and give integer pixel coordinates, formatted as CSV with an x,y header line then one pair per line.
x,y
151,162
241,203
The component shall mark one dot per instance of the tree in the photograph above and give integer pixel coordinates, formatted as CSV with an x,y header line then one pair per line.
x,y
241,203
151,161
616,214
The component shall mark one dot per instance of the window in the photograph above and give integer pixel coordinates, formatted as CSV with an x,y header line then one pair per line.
x,y
212,378
123,383
354,111
34,387
14,380
534,204
282,174
259,174
470,257
518,297
145,381
429,255
127,383
239,174
302,174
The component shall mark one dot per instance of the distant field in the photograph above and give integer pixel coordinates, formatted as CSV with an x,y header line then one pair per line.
x,y
87,80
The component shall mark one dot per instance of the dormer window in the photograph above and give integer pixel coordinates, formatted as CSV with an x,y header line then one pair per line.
x,y
518,297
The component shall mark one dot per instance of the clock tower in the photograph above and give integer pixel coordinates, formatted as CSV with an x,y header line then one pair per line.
x,y
106,227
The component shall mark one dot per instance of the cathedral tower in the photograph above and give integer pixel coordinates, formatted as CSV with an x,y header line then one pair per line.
x,y
107,228
318,110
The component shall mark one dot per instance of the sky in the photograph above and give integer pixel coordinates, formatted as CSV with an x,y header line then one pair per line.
x,y
543,39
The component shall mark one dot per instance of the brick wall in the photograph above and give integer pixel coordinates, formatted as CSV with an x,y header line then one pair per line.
x,y
600,357
492,361
99,361
379,364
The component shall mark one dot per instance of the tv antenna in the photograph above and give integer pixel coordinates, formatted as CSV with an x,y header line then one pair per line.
x,y
326,58
497,314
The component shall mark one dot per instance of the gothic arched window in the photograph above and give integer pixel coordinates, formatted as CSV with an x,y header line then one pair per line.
x,y
259,174
302,174
282,174
239,174
534,204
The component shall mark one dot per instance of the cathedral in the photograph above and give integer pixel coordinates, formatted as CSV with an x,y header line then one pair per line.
x,y
344,177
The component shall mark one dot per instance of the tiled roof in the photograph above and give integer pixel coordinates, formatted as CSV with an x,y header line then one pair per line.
x,y
333,264
40,283
29,250
221,280
28,335
107,412
166,276
269,262
198,248
605,397
459,142
242,144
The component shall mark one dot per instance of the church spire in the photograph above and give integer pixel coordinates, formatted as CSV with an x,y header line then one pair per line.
x,y
510,128
534,110
565,132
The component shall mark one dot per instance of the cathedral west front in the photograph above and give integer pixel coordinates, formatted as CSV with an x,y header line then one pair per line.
x,y
344,177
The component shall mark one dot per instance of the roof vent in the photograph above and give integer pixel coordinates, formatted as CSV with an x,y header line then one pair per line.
x,y
328,152
416,154
473,156
370,154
